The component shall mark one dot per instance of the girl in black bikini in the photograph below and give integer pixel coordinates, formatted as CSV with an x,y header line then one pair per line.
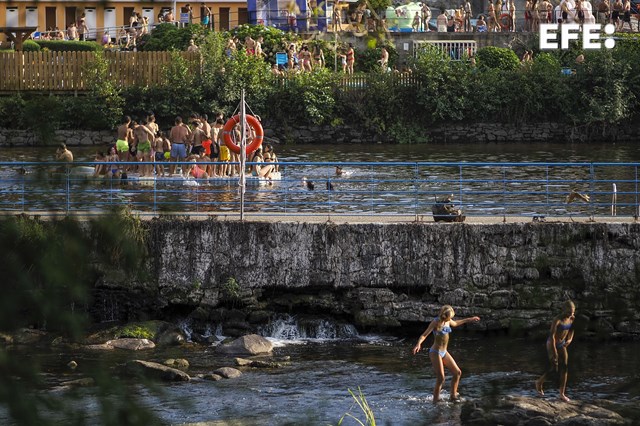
x,y
441,327
559,339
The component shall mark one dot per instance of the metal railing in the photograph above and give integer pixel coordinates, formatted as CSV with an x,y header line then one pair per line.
x,y
364,188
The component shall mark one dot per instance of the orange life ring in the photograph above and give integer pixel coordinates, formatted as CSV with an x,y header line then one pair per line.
x,y
505,22
227,130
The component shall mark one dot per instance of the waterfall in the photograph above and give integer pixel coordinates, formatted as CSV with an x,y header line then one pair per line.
x,y
185,326
291,328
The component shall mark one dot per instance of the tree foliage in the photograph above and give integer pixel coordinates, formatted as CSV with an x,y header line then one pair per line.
x,y
47,275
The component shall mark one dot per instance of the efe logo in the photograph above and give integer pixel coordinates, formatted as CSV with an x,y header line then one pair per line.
x,y
590,34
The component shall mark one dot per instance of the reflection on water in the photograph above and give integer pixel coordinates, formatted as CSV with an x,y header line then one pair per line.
x,y
312,389
498,189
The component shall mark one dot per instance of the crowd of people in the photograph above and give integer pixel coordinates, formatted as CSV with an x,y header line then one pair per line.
x,y
197,144
503,16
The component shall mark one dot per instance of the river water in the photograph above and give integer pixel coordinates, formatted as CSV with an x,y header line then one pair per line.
x,y
312,389
383,187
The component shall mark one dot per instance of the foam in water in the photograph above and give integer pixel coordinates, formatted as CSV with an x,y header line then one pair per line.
x,y
290,329
185,326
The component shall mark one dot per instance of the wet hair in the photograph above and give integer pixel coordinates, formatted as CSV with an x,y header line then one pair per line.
x,y
446,313
126,119
178,120
63,146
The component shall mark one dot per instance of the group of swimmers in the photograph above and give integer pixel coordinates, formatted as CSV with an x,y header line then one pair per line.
x,y
199,143
560,337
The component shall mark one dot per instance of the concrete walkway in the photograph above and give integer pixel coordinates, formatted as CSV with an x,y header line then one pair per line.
x,y
337,218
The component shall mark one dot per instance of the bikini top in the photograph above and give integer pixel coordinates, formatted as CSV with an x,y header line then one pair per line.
x,y
564,327
445,330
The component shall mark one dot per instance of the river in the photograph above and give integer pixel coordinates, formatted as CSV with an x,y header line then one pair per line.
x,y
312,389
391,184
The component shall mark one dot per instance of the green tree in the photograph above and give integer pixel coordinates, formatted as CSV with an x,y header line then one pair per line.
x,y
47,273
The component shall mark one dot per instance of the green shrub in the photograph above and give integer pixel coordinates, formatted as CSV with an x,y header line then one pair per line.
x,y
12,113
30,46
166,37
70,45
500,58
274,40
42,116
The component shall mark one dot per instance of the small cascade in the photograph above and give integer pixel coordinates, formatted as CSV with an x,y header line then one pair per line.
x,y
291,328
218,332
108,307
185,326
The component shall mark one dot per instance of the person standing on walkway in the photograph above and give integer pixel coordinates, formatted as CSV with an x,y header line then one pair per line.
x,y
560,337
351,58
441,327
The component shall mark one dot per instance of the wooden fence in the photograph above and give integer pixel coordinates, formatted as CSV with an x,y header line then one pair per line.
x,y
63,71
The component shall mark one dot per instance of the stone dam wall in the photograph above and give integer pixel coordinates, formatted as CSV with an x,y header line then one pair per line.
x,y
387,277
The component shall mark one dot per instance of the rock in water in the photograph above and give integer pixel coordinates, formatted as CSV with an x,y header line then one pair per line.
x,y
153,369
251,344
131,344
523,410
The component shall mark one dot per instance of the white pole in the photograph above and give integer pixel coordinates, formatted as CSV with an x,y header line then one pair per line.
x,y
614,200
243,153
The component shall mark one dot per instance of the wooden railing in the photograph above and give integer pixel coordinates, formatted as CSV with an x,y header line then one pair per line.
x,y
63,71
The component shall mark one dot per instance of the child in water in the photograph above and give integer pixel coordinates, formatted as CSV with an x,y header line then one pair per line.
x,y
441,327
560,338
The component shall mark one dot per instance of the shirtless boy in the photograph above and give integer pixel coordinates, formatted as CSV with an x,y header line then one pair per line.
x,y
179,137
143,135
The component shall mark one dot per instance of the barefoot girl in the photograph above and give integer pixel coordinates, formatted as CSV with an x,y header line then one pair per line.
x,y
559,339
440,358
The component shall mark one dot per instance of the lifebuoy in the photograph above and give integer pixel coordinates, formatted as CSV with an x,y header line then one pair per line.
x,y
505,22
227,130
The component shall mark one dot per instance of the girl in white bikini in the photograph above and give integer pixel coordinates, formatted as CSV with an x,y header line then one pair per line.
x,y
441,326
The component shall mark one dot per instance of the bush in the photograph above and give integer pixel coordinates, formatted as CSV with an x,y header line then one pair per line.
x,y
304,98
500,58
30,46
169,37
70,45
367,59
12,111
274,40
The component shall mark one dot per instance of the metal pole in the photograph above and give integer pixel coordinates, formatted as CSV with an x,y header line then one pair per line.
x,y
243,153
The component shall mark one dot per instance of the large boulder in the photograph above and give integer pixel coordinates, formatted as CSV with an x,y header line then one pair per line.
x,y
251,344
522,410
154,370
131,344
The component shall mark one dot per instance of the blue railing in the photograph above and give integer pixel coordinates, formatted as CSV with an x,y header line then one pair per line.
x,y
364,188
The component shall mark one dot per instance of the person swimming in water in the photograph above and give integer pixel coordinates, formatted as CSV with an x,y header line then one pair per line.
x,y
441,327
560,338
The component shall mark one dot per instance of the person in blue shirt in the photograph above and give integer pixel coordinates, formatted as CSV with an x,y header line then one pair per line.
x,y
559,339
441,327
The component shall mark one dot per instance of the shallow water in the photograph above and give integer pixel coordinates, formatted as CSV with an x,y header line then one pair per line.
x,y
313,388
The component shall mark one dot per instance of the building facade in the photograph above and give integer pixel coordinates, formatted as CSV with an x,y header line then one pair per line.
x,y
100,15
